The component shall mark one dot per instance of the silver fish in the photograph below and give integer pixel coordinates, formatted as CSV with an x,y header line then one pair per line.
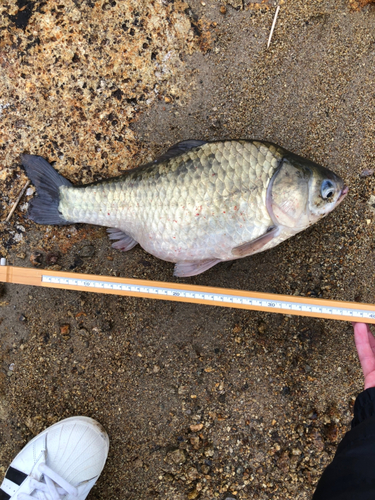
x,y
199,204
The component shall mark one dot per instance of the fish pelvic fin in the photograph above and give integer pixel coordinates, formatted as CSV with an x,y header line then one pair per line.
x,y
255,246
124,243
187,268
44,208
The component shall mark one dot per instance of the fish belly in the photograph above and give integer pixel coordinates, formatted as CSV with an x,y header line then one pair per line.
x,y
199,205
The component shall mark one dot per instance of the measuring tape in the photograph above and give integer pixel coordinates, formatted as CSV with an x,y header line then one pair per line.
x,y
284,304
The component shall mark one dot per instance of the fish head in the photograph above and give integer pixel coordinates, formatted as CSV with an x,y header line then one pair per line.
x,y
301,192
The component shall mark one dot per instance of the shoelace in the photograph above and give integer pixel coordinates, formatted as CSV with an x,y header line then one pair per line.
x,y
54,486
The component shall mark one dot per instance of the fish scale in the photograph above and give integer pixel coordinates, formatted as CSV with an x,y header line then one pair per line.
x,y
202,197
199,204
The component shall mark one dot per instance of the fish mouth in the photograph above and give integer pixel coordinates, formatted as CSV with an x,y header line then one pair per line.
x,y
343,193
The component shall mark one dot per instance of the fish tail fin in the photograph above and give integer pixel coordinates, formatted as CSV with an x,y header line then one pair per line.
x,y
44,208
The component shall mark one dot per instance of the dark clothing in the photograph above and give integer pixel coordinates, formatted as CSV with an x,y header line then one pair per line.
x,y
351,475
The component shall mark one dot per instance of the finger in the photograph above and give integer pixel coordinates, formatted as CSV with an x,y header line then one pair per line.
x,y
369,381
371,339
366,356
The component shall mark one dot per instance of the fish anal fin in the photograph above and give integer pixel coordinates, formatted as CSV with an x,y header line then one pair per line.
x,y
188,268
124,243
255,246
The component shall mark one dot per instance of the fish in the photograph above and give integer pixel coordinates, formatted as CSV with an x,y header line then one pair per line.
x,y
199,204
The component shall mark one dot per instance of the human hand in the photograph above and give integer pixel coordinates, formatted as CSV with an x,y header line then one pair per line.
x,y
365,344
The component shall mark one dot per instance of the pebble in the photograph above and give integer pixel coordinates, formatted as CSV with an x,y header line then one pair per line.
x,y
196,427
367,172
284,351
36,259
177,457
194,441
65,329
138,463
192,474
87,251
52,258
56,267
262,328
193,494
237,4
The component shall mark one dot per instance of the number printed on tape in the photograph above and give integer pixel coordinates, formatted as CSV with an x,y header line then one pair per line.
x,y
213,298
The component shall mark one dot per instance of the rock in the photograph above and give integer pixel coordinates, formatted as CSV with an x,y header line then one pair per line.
x,y
192,474
296,452
318,441
65,329
194,440
138,463
56,267
36,259
371,203
177,457
22,318
236,4
262,327
331,432
221,398
21,255
87,251
77,262
193,494
367,172
52,258
196,427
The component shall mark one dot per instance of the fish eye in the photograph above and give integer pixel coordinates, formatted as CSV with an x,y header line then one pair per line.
x,y
327,189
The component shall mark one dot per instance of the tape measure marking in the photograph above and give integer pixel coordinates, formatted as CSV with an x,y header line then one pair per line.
x,y
213,298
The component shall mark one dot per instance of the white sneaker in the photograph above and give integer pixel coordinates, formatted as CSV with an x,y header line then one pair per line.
x,y
62,462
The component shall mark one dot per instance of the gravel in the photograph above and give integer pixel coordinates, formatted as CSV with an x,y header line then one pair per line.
x,y
199,402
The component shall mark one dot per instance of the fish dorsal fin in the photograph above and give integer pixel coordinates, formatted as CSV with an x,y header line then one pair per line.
x,y
179,149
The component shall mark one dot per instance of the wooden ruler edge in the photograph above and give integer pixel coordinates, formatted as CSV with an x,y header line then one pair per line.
x,y
33,277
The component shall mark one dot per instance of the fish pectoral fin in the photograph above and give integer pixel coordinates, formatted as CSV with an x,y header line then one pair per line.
x,y
254,246
187,268
178,149
125,242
